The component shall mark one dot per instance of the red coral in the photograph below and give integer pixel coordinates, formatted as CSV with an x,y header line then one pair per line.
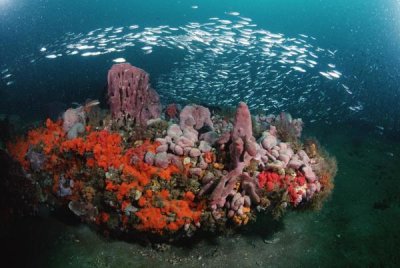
x,y
300,180
269,180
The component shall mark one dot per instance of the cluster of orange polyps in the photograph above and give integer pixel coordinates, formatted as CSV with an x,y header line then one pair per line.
x,y
97,152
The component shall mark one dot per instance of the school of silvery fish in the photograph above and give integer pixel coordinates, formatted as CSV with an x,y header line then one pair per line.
x,y
226,60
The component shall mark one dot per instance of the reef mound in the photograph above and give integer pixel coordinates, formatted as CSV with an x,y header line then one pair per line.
x,y
136,170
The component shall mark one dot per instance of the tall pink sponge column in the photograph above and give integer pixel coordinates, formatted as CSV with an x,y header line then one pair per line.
x,y
243,143
242,125
130,95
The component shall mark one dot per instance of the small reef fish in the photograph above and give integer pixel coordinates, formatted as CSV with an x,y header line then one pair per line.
x,y
347,89
119,60
87,54
299,69
327,75
334,74
233,13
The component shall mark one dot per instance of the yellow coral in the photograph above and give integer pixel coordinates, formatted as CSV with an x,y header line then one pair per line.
x,y
218,166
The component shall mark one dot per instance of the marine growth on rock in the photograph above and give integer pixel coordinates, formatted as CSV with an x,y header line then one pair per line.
x,y
194,171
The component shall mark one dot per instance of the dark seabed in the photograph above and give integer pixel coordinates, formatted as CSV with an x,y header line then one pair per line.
x,y
346,88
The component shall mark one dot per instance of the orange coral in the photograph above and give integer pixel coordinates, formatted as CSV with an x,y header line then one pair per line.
x,y
189,196
110,186
142,201
149,193
124,189
164,193
46,137
158,212
166,174
106,148
159,219
151,219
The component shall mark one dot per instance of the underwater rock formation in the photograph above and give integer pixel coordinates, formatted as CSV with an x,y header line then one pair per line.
x,y
196,171
130,95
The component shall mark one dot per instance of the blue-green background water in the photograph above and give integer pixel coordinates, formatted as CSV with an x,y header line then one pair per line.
x,y
365,35
357,227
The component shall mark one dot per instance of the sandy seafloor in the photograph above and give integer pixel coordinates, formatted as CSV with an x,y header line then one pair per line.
x,y
358,227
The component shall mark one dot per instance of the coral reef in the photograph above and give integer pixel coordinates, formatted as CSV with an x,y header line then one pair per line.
x,y
175,175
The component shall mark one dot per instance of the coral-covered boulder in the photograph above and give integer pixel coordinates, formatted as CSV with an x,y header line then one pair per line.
x,y
198,172
130,95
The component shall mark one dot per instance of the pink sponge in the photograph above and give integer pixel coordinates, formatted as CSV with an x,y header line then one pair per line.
x,y
130,95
